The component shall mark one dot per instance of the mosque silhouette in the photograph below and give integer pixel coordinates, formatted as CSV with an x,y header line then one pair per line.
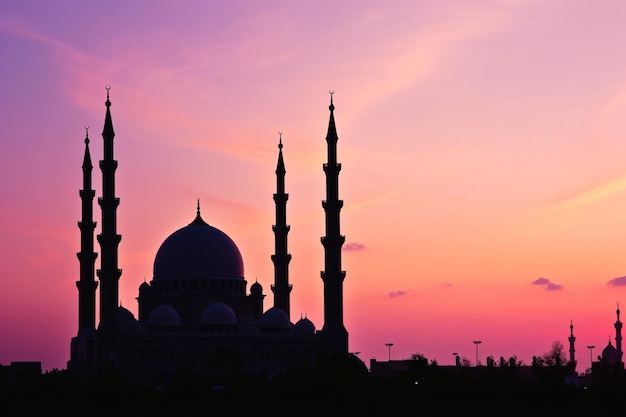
x,y
196,315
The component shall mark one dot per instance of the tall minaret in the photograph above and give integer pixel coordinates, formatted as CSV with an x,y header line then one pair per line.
x,y
618,335
281,257
109,273
571,339
335,334
87,283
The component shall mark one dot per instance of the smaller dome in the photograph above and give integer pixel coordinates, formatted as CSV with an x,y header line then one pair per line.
x,y
124,315
610,354
218,313
256,289
164,315
275,318
144,288
133,327
304,326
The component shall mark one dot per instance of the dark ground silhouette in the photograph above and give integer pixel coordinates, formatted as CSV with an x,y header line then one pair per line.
x,y
335,389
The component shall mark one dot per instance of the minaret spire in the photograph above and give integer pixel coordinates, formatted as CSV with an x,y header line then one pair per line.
x,y
281,257
571,339
109,273
334,331
87,283
618,335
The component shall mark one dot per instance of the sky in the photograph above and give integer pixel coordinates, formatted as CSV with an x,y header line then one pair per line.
x,y
482,146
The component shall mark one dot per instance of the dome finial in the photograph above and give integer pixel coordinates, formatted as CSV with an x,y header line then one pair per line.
x,y
198,219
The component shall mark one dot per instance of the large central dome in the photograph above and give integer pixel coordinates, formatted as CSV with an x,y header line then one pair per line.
x,y
198,250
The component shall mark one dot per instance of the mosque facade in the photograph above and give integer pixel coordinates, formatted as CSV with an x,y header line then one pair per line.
x,y
197,314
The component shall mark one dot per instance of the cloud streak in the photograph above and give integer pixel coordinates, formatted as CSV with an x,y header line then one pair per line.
x,y
595,194
353,247
396,294
547,284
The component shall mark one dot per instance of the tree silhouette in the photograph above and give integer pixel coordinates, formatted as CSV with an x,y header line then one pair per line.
x,y
555,356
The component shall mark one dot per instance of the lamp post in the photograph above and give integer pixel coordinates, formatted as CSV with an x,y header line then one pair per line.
x,y
456,358
590,347
477,342
389,345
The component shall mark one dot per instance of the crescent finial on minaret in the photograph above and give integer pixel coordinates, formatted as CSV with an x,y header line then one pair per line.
x,y
108,88
280,139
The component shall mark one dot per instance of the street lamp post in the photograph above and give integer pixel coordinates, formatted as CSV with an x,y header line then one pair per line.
x,y
456,358
389,345
590,347
477,342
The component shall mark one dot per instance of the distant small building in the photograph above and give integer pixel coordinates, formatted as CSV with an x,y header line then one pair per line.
x,y
389,369
18,372
400,368
610,364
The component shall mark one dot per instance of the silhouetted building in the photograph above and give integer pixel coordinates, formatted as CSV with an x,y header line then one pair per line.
x,y
196,314
610,365
572,339
19,372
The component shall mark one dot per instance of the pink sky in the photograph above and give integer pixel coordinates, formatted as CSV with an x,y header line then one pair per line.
x,y
482,146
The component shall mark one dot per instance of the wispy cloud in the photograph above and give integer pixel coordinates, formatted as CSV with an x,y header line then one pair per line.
x,y
594,193
547,284
418,54
617,282
376,199
80,69
353,247
396,294
613,106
